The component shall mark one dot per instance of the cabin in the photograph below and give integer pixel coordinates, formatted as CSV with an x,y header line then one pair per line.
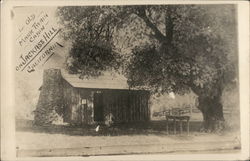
x,y
89,101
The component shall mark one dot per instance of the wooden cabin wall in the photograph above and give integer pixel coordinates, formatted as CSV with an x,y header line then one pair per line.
x,y
86,110
71,102
75,118
126,106
67,101
74,111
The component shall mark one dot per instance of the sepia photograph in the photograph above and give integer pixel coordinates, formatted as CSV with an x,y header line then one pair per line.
x,y
128,79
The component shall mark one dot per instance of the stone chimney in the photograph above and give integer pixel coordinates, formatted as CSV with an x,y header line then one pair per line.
x,y
50,107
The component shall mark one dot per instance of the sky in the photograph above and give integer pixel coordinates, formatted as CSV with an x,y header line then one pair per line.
x,y
28,83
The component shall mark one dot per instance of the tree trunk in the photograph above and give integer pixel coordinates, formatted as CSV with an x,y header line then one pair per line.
x,y
212,111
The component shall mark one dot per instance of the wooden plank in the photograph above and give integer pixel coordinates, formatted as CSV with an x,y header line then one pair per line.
x,y
133,106
174,126
117,107
148,108
111,106
135,117
167,125
107,103
145,106
129,106
181,126
114,107
137,106
124,106
141,107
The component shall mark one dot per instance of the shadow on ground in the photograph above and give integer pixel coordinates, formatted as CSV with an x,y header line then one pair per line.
x,y
156,127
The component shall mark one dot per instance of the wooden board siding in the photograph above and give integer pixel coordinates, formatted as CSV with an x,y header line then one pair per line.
x,y
74,111
126,105
67,101
87,109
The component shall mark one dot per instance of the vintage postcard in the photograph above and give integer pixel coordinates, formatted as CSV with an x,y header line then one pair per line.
x,y
125,80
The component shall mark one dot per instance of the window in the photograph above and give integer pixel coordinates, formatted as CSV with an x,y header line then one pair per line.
x,y
84,101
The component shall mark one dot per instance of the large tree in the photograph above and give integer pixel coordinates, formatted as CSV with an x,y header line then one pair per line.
x,y
165,48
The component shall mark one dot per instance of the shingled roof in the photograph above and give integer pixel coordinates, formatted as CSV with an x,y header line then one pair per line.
x,y
105,81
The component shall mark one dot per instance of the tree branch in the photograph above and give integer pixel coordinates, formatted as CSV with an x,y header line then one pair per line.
x,y
169,26
141,12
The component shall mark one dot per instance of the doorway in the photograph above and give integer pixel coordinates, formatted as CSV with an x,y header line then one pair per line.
x,y
98,107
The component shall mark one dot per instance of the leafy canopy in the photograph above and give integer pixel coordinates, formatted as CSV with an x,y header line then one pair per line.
x,y
161,47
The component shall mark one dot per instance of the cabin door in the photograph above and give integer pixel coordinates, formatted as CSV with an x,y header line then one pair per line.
x,y
98,107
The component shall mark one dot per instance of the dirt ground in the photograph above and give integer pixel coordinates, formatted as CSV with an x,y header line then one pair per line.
x,y
137,139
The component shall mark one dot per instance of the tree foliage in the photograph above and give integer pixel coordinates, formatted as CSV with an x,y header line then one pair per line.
x,y
197,51
90,30
164,48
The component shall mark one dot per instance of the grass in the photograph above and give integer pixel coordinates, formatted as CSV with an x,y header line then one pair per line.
x,y
139,138
156,127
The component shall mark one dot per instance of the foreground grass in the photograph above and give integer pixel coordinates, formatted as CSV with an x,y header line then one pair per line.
x,y
138,138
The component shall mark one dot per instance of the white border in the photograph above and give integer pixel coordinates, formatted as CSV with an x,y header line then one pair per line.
x,y
8,89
